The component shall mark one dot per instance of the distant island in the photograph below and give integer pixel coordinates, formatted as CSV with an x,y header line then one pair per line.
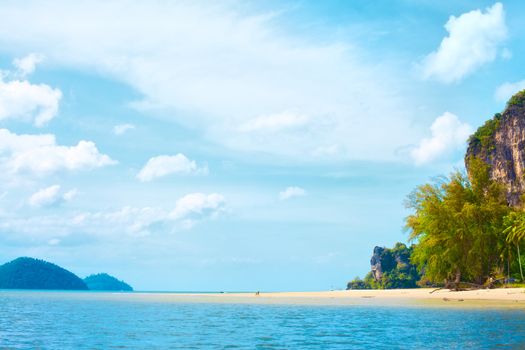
x,y
30,273
103,281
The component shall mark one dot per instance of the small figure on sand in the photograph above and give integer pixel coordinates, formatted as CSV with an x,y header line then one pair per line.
x,y
257,293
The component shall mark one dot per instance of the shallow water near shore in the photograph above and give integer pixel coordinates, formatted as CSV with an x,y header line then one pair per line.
x,y
86,320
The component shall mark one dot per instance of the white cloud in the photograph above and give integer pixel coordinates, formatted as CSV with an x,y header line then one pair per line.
x,y
448,134
505,91
40,155
474,39
122,128
188,211
51,196
197,204
19,99
237,65
273,122
27,64
163,165
291,192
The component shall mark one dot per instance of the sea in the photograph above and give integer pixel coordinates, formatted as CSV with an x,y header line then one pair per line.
x,y
90,320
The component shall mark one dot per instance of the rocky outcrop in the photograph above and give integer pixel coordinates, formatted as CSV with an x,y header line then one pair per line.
x,y
390,268
500,143
385,260
375,263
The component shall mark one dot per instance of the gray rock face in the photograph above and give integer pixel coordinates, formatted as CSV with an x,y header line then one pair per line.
x,y
501,144
375,263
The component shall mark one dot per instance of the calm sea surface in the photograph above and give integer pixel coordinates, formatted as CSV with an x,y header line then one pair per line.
x,y
83,320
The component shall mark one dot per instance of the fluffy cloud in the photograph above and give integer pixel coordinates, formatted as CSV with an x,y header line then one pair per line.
x,y
197,204
188,210
448,134
474,39
291,192
26,65
237,66
121,129
506,90
19,99
40,155
51,196
160,166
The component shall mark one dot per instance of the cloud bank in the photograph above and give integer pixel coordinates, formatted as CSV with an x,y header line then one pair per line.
x,y
187,211
240,74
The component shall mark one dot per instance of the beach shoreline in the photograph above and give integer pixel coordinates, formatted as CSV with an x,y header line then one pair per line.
x,y
417,297
502,297
499,294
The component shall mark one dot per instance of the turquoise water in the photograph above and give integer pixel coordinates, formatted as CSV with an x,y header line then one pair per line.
x,y
69,320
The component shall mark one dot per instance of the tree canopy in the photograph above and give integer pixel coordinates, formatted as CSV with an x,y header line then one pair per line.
x,y
458,224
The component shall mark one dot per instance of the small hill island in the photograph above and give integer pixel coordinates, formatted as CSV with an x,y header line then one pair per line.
x,y
29,273
103,281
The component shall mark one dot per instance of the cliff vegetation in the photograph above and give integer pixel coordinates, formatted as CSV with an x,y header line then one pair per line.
x,y
390,268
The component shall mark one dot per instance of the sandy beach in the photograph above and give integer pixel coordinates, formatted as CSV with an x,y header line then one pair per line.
x,y
508,294
504,297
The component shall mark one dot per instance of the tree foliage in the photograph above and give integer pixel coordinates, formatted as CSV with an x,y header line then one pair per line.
x,y
458,224
484,135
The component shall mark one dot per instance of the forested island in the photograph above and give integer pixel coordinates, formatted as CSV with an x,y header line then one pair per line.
x,y
467,229
103,281
29,273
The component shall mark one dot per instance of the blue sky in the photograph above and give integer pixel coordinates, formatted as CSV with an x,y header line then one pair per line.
x,y
237,145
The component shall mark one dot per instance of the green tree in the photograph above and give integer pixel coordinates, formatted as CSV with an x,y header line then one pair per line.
x,y
458,224
515,230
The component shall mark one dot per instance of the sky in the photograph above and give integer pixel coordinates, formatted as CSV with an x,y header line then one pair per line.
x,y
233,145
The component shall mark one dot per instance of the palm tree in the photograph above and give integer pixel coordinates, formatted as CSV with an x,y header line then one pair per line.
x,y
515,231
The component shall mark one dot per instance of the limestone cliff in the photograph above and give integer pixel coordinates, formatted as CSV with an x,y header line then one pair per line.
x,y
386,260
500,142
